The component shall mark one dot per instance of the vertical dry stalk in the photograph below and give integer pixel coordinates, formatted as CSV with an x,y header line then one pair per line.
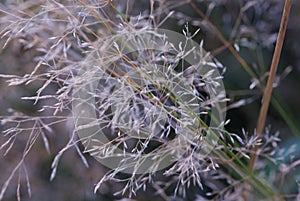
x,y
268,91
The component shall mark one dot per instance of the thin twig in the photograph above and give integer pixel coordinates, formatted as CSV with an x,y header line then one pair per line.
x,y
226,43
268,90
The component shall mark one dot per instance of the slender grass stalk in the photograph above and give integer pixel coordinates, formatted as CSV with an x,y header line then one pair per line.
x,y
268,91
226,43
281,108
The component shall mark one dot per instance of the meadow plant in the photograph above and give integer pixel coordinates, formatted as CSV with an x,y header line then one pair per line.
x,y
146,102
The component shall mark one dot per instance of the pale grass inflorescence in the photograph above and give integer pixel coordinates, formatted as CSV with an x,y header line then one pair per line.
x,y
155,111
143,101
